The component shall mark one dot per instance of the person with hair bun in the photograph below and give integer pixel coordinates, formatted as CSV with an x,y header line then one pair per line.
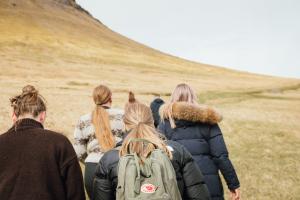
x,y
36,163
139,124
97,132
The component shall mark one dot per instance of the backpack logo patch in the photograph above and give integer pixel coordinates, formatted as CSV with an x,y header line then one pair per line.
x,y
148,188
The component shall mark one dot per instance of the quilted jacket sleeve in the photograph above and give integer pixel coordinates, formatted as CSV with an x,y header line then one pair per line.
x,y
195,187
105,182
220,156
189,177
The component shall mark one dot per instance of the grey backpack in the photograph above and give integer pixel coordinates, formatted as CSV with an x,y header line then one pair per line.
x,y
155,179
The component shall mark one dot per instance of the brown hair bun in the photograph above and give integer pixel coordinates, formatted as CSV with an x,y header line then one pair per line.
x,y
28,102
30,90
131,97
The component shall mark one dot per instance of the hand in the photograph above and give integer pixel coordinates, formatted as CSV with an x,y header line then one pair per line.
x,y
235,194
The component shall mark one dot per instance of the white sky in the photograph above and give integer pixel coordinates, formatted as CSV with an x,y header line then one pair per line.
x,y
261,36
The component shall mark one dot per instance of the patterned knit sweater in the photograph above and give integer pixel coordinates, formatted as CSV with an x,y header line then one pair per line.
x,y
86,144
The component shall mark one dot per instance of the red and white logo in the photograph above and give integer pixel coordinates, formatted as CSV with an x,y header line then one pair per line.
x,y
148,188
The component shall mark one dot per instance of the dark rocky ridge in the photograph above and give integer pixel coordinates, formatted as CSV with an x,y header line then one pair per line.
x,y
26,3
16,2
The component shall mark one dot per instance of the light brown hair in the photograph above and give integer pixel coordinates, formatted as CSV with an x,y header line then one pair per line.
x,y
139,122
100,118
28,102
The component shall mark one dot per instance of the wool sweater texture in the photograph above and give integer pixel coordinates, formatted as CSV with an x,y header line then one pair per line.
x,y
38,164
86,144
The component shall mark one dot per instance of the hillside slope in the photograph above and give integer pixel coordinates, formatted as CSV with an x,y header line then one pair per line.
x,y
63,51
59,36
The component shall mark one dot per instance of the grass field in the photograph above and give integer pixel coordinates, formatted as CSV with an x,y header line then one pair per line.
x,y
41,44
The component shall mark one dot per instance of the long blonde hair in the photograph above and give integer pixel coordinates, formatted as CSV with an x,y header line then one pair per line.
x,y
100,118
182,93
139,121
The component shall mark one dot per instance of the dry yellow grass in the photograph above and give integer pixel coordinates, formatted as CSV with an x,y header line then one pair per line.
x,y
65,54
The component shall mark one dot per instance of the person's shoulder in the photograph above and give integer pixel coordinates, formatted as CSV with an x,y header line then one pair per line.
x,y
110,159
179,152
116,111
116,114
177,147
174,146
85,117
4,135
107,163
59,142
111,155
56,137
54,134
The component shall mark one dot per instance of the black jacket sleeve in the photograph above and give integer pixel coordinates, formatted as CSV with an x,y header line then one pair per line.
x,y
102,189
193,180
194,185
220,156
105,182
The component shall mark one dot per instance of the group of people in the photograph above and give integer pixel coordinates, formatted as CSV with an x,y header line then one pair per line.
x,y
40,164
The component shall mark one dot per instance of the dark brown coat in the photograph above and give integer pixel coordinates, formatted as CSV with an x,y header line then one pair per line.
x,y
37,164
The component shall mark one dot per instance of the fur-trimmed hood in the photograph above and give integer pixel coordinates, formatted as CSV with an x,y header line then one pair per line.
x,y
189,112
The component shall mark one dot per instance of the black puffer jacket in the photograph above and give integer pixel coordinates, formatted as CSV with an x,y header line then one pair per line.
x,y
155,105
189,178
197,130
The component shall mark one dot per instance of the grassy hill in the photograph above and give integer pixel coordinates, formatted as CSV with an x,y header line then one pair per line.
x,y
58,47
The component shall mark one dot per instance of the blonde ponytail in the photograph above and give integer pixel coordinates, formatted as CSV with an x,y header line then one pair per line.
x,y
101,122
146,132
139,120
100,118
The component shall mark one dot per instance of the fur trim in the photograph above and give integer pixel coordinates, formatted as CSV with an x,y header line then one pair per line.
x,y
190,112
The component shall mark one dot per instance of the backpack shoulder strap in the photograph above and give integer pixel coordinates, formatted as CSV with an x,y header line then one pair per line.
x,y
123,162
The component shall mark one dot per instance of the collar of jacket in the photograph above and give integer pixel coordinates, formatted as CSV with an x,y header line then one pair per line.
x,y
123,137
183,111
26,123
119,144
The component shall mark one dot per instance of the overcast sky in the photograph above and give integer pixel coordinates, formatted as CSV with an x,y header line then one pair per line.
x,y
261,36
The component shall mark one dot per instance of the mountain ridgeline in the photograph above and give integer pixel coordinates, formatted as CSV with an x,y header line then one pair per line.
x,y
43,37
